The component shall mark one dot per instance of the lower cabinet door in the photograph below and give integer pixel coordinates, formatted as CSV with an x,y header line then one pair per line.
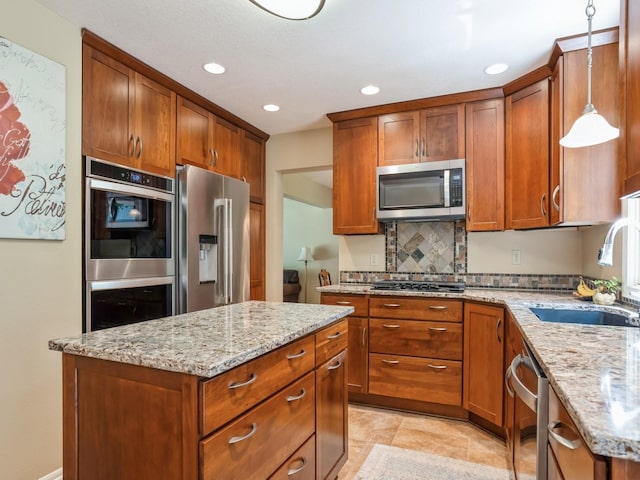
x,y
257,443
415,378
301,465
357,368
331,417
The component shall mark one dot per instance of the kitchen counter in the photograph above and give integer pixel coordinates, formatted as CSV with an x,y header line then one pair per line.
x,y
595,370
207,342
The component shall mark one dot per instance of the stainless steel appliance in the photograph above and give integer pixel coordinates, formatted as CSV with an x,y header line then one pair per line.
x,y
213,239
421,191
419,286
129,260
526,382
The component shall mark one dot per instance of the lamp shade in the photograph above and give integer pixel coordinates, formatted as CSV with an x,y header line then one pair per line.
x,y
291,9
589,129
305,255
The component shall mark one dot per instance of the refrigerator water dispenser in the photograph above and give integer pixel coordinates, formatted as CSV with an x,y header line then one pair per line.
x,y
208,264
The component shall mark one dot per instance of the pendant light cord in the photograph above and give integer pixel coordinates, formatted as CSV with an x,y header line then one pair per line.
x,y
590,11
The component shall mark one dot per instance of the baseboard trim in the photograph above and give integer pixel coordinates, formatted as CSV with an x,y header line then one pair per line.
x,y
56,475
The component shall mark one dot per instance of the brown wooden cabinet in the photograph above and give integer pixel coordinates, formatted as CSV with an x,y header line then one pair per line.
x,y
484,361
527,157
630,94
257,259
127,117
513,347
485,165
358,341
421,136
355,150
252,164
206,141
331,401
585,182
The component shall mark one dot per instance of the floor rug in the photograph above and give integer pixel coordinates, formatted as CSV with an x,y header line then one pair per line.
x,y
392,463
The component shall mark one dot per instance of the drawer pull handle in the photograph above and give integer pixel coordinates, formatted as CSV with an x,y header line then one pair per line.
x,y
337,365
391,362
254,429
438,329
498,325
385,325
253,378
565,442
438,307
293,471
293,356
437,367
293,398
391,305
364,337
335,335
342,302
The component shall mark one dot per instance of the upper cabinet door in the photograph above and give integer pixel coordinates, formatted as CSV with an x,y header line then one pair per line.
x,y
252,164
226,148
155,126
485,165
194,135
355,151
630,117
527,157
442,133
398,138
107,119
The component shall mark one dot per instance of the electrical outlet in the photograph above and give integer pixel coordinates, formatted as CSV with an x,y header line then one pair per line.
x,y
515,257
373,259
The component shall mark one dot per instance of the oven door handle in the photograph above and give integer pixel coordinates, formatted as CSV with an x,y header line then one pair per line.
x,y
95,184
527,396
101,285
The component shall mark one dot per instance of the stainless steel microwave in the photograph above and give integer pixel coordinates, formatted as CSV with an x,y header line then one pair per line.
x,y
424,191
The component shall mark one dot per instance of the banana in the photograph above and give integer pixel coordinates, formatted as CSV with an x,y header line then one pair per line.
x,y
584,290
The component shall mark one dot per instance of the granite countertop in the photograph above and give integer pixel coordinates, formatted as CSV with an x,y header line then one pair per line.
x,y
207,342
595,370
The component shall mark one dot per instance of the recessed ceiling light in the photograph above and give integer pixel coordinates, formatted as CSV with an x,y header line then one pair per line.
x,y
270,107
369,90
496,68
214,68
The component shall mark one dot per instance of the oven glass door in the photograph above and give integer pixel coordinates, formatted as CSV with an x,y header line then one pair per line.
x,y
122,302
128,231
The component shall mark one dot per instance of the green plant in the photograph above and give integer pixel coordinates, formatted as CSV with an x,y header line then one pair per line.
x,y
608,286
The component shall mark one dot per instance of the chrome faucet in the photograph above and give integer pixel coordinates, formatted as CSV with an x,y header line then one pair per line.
x,y
605,254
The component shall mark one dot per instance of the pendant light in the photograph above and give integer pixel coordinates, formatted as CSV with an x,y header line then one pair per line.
x,y
291,9
591,128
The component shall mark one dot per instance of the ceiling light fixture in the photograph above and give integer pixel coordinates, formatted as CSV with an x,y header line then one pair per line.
x,y
496,68
369,90
270,107
291,9
214,68
590,128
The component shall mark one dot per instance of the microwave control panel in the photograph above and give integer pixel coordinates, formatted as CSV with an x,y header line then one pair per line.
x,y
456,187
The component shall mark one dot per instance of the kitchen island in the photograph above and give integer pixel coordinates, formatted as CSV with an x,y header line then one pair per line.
x,y
595,370
242,391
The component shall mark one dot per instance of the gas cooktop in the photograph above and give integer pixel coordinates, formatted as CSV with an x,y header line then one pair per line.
x,y
419,286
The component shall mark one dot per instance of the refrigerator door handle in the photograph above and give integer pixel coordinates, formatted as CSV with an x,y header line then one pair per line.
x,y
227,249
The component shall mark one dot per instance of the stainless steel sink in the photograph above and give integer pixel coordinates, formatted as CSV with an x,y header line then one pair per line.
x,y
585,317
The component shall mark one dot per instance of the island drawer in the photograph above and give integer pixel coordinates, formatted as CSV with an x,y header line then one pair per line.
x,y
416,308
425,379
257,443
226,396
331,340
301,465
359,302
573,456
416,338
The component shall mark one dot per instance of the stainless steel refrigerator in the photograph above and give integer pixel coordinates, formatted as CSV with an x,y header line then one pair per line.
x,y
212,239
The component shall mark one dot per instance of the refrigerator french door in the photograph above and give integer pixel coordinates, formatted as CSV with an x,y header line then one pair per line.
x,y
213,239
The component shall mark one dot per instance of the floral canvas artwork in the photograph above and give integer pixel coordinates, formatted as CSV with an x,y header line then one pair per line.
x,y
32,145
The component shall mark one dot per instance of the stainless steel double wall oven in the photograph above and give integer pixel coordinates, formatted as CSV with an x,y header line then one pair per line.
x,y
129,251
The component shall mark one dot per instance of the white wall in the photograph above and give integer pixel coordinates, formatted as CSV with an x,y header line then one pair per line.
x,y
41,284
307,225
288,153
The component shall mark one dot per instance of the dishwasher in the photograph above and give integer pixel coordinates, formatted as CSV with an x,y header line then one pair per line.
x,y
528,385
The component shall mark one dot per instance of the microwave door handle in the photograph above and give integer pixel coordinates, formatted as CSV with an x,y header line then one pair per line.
x,y
447,193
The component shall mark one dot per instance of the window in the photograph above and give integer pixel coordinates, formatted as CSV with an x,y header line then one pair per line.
x,y
631,255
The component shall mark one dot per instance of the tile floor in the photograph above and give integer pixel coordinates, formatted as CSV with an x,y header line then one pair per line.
x,y
446,437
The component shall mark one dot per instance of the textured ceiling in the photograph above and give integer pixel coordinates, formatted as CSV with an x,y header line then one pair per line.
x,y
409,48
